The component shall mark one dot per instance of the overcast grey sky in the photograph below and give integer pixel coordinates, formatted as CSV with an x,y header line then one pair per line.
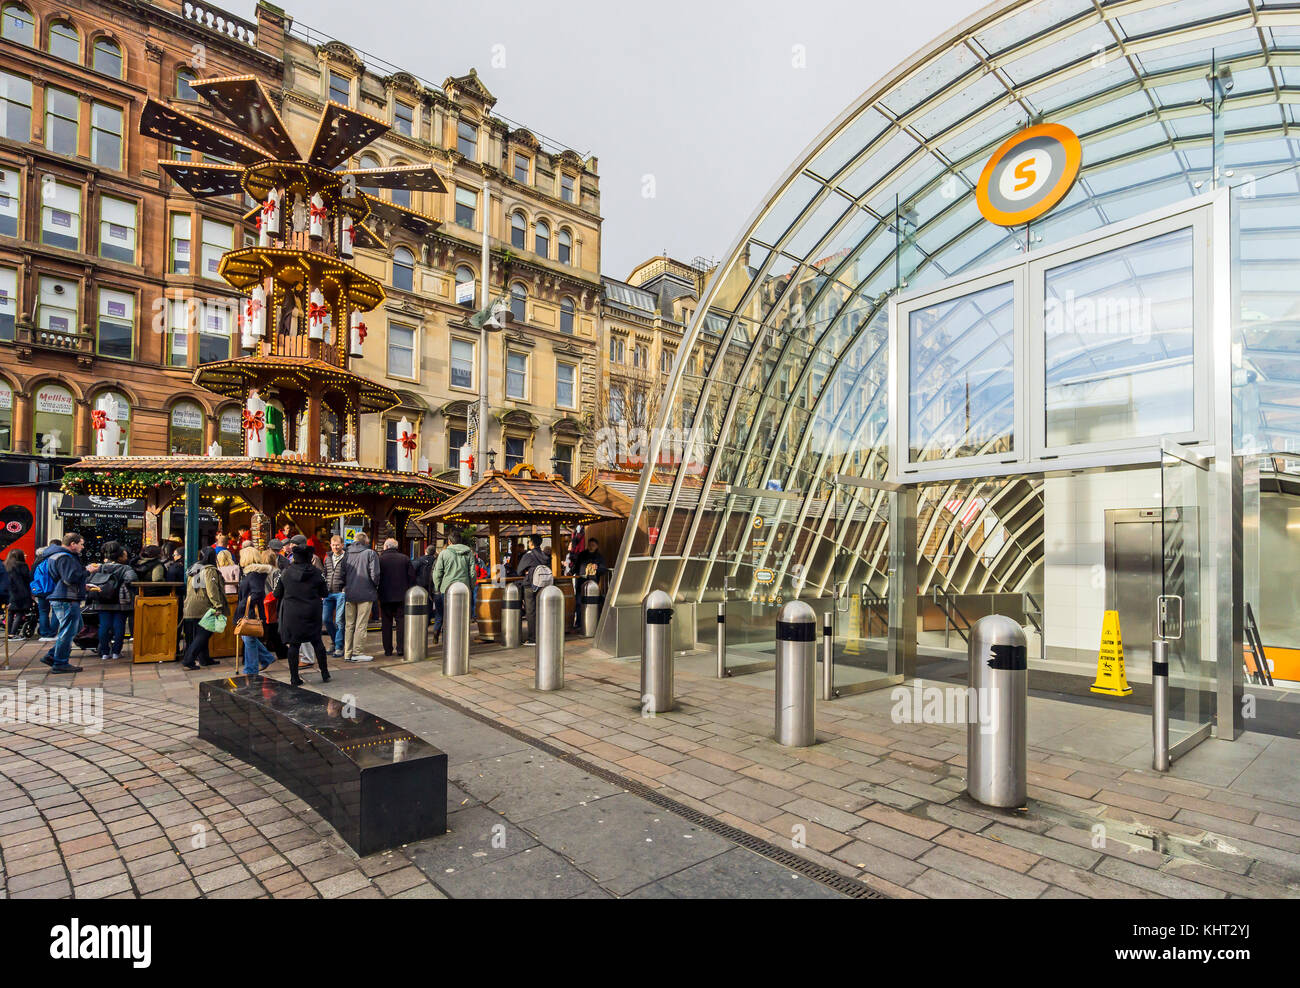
x,y
710,97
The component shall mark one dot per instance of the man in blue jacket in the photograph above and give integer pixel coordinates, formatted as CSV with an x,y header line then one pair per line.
x,y
65,600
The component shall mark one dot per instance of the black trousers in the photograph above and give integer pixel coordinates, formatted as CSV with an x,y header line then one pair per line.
x,y
530,612
294,652
390,614
185,631
197,652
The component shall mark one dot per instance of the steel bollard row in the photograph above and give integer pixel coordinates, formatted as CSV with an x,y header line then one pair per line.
x,y
548,673
455,631
590,608
512,610
996,751
796,675
656,653
415,625
1160,705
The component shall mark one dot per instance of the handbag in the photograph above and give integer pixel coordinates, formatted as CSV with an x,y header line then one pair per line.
x,y
214,621
249,626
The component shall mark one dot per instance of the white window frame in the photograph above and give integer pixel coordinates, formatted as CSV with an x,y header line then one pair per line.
x,y
522,354
413,349
473,364
575,383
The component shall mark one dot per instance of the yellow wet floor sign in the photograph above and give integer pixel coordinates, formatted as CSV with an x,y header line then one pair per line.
x,y
1110,660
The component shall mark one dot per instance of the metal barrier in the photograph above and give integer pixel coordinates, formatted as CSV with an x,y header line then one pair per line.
x,y
1160,705
415,625
828,656
455,630
549,655
590,604
512,611
796,674
996,751
722,640
656,653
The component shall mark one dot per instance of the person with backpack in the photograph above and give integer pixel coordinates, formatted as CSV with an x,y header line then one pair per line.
x,y
110,593
20,594
64,566
360,594
42,585
535,568
205,605
455,564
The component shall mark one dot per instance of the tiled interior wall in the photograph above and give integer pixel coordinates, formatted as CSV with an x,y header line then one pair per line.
x,y
1074,550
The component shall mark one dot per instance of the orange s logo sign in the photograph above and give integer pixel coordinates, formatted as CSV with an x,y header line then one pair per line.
x,y
1026,174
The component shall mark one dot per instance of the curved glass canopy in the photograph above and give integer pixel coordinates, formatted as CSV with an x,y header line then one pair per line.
x,y
784,379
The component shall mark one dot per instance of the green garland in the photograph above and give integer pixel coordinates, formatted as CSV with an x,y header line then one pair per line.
x,y
80,482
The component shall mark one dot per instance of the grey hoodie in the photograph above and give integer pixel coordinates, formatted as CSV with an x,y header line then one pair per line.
x,y
360,574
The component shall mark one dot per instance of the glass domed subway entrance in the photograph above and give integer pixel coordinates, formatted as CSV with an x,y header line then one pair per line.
x,y
913,414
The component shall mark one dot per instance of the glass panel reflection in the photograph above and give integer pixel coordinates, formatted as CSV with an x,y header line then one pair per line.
x,y
1118,331
962,367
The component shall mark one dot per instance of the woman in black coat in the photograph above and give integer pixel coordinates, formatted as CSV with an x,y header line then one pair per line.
x,y
302,593
20,591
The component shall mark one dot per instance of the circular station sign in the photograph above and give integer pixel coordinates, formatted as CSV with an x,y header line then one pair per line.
x,y
1029,174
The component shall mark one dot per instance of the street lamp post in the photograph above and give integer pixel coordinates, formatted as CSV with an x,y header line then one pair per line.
x,y
484,303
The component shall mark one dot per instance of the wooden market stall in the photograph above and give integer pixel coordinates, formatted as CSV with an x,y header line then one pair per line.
x,y
523,497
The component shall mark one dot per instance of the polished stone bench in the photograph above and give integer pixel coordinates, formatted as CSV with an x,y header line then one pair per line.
x,y
378,785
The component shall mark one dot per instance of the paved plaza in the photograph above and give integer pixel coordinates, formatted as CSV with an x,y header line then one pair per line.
x,y
575,794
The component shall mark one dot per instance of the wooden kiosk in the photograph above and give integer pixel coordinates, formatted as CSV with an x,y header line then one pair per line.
x,y
521,497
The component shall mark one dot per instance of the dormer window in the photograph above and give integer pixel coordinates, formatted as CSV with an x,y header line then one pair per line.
x,y
403,118
340,89
566,188
467,140
521,168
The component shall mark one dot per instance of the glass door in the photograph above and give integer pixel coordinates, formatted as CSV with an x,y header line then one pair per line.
x,y
1184,486
866,585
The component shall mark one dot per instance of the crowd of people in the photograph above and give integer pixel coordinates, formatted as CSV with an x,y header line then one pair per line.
x,y
298,591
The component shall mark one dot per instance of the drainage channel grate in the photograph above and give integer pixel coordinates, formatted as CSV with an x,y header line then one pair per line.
x,y
832,879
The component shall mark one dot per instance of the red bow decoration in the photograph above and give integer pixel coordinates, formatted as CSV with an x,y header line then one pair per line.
x,y
254,423
361,332
268,209
315,311
408,441
99,421
471,461
253,307
319,213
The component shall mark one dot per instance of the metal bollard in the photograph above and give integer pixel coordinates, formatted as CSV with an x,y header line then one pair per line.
x,y
796,674
549,650
1160,704
415,625
512,610
455,630
590,608
722,640
996,752
828,655
656,653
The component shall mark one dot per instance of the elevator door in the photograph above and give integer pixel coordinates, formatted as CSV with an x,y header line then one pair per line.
x,y
1133,578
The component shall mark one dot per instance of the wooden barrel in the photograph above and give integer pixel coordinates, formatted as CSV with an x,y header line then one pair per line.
x,y
488,613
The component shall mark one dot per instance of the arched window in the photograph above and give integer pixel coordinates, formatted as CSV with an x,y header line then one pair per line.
x,y
403,269
564,249
518,301
185,428
64,42
465,295
567,309
183,88
368,161
52,420
123,421
108,58
17,24
518,230
542,239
